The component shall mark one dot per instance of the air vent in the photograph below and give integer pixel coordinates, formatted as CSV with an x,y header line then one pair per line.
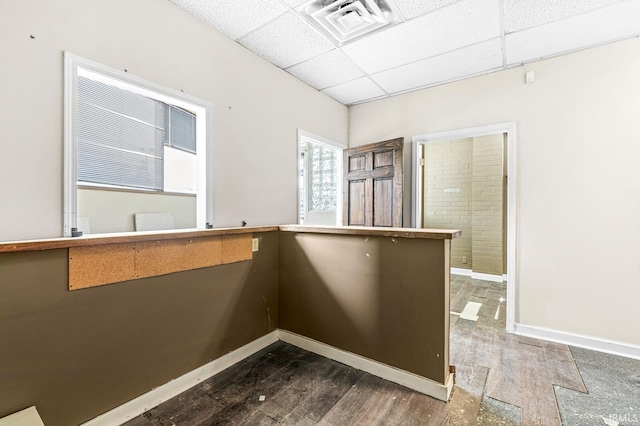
x,y
346,20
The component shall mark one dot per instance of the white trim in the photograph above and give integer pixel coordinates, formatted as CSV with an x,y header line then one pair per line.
x,y
416,187
511,227
157,396
303,134
487,277
510,129
461,271
479,275
581,341
70,211
402,377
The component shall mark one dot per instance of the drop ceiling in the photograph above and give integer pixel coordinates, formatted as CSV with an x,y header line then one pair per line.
x,y
397,46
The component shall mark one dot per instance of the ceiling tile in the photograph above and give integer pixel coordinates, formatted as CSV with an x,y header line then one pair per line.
x,y
460,63
354,91
286,41
327,70
520,14
234,18
413,8
458,25
295,3
599,26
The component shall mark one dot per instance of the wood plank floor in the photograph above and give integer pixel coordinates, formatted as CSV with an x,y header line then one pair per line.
x,y
500,379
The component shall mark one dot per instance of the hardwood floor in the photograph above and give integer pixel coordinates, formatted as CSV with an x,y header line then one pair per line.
x,y
500,379
516,370
299,388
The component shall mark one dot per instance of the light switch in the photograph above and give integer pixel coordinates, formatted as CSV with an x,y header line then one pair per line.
x,y
255,245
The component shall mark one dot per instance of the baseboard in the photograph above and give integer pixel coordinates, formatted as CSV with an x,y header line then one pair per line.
x,y
587,342
479,275
157,396
461,271
487,277
404,378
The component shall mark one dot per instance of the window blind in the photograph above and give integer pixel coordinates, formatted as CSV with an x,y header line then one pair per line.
x,y
120,136
180,130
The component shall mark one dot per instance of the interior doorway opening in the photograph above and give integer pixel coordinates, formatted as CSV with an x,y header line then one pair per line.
x,y
465,179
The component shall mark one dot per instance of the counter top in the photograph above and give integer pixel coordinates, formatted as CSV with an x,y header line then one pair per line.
x,y
125,237
129,237
433,234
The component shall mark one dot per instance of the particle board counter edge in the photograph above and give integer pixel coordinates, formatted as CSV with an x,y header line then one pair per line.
x,y
126,237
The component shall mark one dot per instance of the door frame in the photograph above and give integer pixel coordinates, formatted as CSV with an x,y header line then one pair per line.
x,y
417,194
308,137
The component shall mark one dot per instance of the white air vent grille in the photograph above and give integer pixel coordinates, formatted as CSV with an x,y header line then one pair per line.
x,y
346,20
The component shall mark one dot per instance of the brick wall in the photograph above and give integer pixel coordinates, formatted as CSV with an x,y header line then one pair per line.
x,y
487,204
448,190
464,189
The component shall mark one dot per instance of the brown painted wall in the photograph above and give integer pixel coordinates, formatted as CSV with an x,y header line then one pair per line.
x,y
78,354
384,298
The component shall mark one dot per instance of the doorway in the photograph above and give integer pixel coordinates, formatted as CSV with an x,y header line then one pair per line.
x,y
319,180
464,139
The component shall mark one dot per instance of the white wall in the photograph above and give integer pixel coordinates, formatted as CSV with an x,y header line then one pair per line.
x,y
578,159
257,107
113,211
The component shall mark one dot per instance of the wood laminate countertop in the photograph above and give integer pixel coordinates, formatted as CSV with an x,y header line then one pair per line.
x,y
128,237
431,234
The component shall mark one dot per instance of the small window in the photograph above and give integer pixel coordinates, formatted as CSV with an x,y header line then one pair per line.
x,y
123,133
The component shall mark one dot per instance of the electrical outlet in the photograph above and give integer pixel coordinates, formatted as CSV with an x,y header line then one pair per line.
x,y
255,245
464,259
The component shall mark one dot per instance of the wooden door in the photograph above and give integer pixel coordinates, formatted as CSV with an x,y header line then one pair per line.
x,y
373,184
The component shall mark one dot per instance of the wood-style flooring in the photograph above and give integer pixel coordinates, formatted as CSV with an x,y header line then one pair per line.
x,y
500,379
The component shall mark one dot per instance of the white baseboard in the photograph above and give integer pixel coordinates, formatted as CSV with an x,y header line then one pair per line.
x,y
461,271
404,378
479,275
587,342
157,396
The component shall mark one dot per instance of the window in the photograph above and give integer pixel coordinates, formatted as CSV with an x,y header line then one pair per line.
x,y
320,180
323,180
123,133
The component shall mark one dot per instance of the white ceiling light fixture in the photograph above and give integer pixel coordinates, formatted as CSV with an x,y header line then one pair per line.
x,y
343,21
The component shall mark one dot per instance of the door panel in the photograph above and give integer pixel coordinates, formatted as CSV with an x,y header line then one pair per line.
x,y
381,159
382,202
373,184
356,206
357,162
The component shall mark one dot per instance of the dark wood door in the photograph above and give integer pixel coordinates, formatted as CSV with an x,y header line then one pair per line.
x,y
373,184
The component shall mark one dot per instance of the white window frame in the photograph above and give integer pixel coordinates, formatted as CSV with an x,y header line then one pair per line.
x,y
204,125
305,137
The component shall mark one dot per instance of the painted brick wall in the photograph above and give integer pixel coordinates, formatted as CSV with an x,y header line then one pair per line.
x,y
463,189
448,192
487,204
